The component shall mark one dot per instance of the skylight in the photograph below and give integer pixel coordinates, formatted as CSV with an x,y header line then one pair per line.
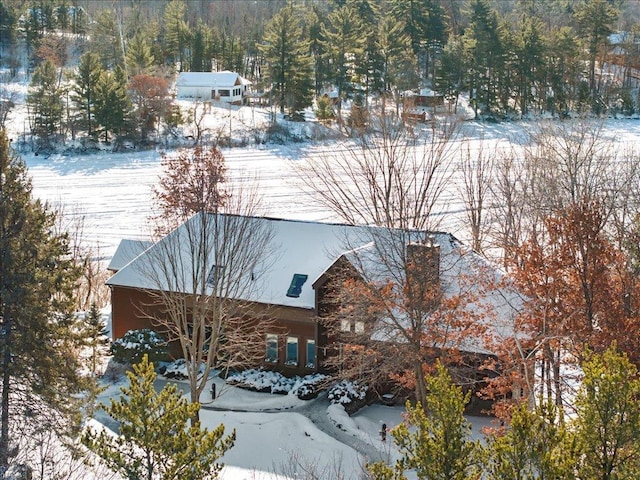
x,y
296,285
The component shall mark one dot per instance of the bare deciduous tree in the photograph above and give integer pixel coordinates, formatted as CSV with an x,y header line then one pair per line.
x,y
204,275
476,168
386,298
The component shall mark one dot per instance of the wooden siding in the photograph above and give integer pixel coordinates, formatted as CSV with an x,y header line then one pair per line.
x,y
130,311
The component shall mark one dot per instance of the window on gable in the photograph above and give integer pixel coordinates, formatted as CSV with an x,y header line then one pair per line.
x,y
271,354
215,275
292,351
295,289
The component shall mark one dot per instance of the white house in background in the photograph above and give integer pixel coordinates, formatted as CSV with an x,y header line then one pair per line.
x,y
224,86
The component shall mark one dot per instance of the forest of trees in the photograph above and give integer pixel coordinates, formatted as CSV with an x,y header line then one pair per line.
x,y
105,68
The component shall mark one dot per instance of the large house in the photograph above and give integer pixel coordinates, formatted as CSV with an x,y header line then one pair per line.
x,y
224,86
293,281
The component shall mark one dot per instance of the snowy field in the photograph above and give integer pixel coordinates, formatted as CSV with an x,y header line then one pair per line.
x,y
113,191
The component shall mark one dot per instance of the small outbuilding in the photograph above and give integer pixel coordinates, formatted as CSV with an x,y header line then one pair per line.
x,y
226,86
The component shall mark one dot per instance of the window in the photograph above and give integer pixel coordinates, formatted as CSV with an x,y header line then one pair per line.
x,y
271,354
311,354
292,351
215,275
345,325
213,94
225,93
295,289
359,327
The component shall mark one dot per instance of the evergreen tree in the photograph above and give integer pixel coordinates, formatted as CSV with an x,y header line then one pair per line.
x,y
607,419
437,445
314,27
485,56
536,444
84,91
112,106
156,440
435,35
562,71
289,61
399,65
79,20
177,33
62,15
595,19
37,277
139,58
529,59
199,59
344,47
106,39
95,336
7,26
45,102
450,78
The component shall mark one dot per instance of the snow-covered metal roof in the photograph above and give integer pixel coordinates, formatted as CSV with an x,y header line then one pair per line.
x,y
302,251
127,250
211,79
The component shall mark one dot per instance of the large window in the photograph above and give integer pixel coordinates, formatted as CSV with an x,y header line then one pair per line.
x,y
311,354
224,93
271,354
292,351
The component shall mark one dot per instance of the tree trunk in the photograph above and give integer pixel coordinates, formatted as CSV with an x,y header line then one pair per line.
x,y
4,407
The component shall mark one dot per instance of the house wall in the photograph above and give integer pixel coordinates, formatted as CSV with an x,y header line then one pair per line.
x,y
204,93
131,307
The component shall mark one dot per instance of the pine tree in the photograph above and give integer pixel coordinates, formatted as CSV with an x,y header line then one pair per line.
x,y
106,39
399,64
45,102
176,38
112,106
437,445
37,277
536,444
608,418
595,19
156,440
7,26
485,55
84,91
289,61
139,58
344,46
95,336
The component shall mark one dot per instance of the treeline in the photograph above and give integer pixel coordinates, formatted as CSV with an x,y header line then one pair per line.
x,y
511,58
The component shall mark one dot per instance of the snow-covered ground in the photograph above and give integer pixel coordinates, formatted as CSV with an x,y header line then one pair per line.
x,y
282,437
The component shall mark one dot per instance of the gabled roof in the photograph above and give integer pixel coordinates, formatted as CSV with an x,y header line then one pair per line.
x,y
211,79
302,252
127,250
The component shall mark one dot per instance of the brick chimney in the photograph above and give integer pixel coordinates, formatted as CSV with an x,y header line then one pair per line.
x,y
423,274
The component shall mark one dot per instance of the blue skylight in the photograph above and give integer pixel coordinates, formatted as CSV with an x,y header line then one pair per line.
x,y
296,285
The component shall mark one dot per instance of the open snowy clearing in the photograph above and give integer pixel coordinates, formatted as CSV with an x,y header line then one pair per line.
x,y
113,190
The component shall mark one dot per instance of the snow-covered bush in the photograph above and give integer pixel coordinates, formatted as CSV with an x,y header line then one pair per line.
x,y
274,382
307,387
178,369
134,344
345,392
